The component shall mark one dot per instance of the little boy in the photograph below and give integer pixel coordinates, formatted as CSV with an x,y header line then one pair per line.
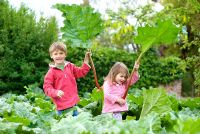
x,y
60,80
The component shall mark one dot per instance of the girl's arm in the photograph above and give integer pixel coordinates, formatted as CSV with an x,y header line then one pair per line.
x,y
134,79
135,76
107,94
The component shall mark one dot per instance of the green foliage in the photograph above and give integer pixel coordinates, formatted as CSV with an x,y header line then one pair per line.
x,y
81,24
153,122
187,121
18,119
155,100
122,31
192,103
93,102
153,71
8,128
187,126
121,25
135,101
189,38
24,47
163,32
25,117
193,63
175,102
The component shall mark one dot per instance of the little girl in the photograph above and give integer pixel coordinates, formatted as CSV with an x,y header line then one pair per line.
x,y
114,87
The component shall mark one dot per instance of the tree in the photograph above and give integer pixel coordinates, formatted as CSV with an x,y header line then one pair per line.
x,y
121,25
24,47
187,14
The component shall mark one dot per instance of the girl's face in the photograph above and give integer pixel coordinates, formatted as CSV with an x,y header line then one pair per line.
x,y
120,78
58,56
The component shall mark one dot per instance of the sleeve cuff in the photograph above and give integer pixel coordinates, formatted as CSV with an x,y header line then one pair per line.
x,y
84,63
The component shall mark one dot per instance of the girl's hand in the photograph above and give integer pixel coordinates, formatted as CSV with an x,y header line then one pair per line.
x,y
60,93
121,101
87,55
137,65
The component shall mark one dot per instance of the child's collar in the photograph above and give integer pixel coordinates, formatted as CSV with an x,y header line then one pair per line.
x,y
52,64
114,83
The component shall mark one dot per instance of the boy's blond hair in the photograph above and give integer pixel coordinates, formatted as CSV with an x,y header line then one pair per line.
x,y
117,68
57,46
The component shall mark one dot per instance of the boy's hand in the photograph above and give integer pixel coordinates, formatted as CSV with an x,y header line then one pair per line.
x,y
87,55
60,93
121,101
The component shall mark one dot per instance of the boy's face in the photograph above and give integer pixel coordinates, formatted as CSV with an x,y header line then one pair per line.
x,y
58,57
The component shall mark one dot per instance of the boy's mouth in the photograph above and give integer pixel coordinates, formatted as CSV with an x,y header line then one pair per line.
x,y
59,59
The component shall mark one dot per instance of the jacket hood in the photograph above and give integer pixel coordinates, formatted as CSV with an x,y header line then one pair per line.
x,y
52,64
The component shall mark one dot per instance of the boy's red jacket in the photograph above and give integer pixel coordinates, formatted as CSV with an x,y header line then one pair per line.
x,y
65,80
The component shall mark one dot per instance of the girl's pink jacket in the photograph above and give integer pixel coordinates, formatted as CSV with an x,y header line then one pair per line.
x,y
112,92
65,80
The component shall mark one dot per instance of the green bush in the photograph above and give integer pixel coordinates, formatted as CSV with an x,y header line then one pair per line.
x,y
153,70
24,44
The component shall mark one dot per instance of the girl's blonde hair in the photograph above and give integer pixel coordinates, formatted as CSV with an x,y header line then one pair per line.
x,y
57,46
117,68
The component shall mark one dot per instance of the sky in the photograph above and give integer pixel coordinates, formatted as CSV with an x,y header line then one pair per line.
x,y
44,7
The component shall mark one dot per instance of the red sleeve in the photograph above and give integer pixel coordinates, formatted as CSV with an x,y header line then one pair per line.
x,y
48,85
80,71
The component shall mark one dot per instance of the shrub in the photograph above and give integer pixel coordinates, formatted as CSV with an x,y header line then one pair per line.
x,y
24,46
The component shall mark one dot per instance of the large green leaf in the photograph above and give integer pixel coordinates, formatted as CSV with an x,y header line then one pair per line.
x,y
81,24
9,127
187,126
155,100
152,122
164,32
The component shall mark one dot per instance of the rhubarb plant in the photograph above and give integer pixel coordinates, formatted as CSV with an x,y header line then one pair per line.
x,y
81,25
163,32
